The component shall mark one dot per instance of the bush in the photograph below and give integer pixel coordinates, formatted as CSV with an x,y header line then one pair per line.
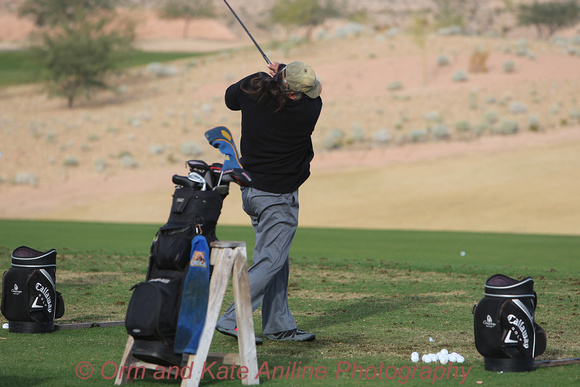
x,y
420,135
518,107
334,140
459,76
462,126
440,132
191,149
443,60
25,178
509,66
382,136
533,123
506,127
393,86
71,161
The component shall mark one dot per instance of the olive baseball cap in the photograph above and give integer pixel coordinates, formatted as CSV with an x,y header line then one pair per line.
x,y
302,79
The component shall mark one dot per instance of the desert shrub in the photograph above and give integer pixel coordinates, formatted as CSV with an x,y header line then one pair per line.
x,y
443,60
156,149
490,116
509,66
191,148
382,136
462,126
574,115
25,178
395,85
93,138
160,70
440,132
490,100
357,133
433,116
127,161
506,127
518,107
533,123
99,165
459,76
334,140
420,135
71,161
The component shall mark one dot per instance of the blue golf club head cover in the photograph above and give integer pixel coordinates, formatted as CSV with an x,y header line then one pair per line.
x,y
194,299
221,138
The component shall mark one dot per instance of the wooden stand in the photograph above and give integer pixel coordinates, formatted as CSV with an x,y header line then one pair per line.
x,y
227,257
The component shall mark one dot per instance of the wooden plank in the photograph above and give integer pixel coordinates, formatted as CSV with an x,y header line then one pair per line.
x,y
244,318
126,360
102,324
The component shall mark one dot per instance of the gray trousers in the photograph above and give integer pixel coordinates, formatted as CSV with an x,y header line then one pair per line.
x,y
275,219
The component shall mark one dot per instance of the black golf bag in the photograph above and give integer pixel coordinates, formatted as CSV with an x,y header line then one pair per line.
x,y
506,334
153,310
30,301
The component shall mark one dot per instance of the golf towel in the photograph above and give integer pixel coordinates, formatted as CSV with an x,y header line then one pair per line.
x,y
194,299
221,138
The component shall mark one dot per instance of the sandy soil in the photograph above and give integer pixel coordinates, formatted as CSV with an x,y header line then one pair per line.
x,y
528,182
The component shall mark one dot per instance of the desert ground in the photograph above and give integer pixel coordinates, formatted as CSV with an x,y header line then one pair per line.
x,y
390,153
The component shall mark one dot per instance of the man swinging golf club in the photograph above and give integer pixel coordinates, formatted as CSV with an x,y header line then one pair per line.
x,y
279,112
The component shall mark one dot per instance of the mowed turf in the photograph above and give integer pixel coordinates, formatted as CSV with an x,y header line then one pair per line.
x,y
372,298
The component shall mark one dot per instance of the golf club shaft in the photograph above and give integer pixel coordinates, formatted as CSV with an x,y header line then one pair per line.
x,y
250,35
557,362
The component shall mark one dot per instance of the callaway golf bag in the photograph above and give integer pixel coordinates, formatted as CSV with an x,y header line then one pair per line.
x,y
506,334
30,301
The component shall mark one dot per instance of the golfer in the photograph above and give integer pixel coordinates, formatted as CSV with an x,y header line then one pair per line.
x,y
279,112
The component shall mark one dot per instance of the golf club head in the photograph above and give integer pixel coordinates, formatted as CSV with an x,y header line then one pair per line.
x,y
198,179
238,176
198,166
183,181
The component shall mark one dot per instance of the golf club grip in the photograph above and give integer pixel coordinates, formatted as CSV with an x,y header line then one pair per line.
x,y
248,32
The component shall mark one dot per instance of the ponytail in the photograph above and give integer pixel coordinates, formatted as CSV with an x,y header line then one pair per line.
x,y
265,87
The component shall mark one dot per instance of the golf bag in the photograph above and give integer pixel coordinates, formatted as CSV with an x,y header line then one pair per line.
x,y
30,301
153,310
506,334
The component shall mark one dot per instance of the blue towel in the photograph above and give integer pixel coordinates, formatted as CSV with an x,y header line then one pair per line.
x,y
221,138
194,299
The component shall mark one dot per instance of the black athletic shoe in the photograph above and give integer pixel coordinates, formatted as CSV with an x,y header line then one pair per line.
x,y
234,333
291,335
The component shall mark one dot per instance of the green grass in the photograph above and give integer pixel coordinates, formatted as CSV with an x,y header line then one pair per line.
x,y
19,67
372,297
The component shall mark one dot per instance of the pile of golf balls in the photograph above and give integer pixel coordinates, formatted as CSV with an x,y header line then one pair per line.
x,y
442,357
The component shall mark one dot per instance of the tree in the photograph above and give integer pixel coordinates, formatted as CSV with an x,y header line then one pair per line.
x,y
552,16
53,12
187,10
78,47
309,13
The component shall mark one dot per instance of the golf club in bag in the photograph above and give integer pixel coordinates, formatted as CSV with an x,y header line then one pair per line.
x,y
30,301
506,334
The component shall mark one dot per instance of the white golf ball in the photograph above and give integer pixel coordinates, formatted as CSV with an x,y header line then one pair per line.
x,y
426,359
452,358
5,326
434,357
444,351
462,253
414,357
460,359
443,359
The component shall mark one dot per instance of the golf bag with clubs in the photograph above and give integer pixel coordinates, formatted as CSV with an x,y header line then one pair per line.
x,y
30,301
506,334
153,310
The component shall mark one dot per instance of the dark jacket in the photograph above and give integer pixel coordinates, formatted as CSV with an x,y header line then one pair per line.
x,y
276,146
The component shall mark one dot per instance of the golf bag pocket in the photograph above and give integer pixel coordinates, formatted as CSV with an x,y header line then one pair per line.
x,y
153,309
30,301
506,334
171,247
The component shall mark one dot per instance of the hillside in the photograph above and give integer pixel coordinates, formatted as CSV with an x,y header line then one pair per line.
x,y
431,153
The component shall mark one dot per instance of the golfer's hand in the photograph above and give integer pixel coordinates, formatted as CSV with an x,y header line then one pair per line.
x,y
273,68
